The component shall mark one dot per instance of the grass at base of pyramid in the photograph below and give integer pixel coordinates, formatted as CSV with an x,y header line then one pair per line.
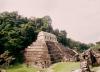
x,y
65,66
58,67
22,68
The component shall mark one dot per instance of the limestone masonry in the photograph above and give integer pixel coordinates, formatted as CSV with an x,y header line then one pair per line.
x,y
46,51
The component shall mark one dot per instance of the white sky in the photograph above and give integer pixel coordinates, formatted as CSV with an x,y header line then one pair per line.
x,y
80,18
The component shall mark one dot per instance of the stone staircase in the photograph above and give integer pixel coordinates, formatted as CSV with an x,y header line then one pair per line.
x,y
55,53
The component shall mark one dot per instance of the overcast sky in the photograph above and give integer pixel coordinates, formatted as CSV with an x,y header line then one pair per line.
x,y
80,18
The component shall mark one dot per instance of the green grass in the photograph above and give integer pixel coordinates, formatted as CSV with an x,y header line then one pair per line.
x,y
58,67
65,66
21,68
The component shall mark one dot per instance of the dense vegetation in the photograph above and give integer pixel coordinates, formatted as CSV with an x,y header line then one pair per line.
x,y
17,32
95,47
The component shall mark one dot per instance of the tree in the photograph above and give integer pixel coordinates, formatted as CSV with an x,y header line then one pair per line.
x,y
17,32
5,59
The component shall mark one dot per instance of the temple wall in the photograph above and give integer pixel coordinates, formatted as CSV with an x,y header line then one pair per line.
x,y
44,36
37,55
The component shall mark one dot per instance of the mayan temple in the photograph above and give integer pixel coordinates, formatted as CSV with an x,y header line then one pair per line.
x,y
46,50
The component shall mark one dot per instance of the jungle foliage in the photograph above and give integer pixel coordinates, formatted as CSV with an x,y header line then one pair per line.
x,y
17,32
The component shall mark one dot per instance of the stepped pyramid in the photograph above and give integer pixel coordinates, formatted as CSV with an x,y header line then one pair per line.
x,y
46,50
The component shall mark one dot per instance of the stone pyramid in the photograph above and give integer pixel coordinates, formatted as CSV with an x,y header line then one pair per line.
x,y
45,51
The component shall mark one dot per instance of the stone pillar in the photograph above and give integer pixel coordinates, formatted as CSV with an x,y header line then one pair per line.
x,y
84,66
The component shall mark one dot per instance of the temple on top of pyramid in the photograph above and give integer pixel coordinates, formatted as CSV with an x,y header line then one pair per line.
x,y
44,36
46,50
